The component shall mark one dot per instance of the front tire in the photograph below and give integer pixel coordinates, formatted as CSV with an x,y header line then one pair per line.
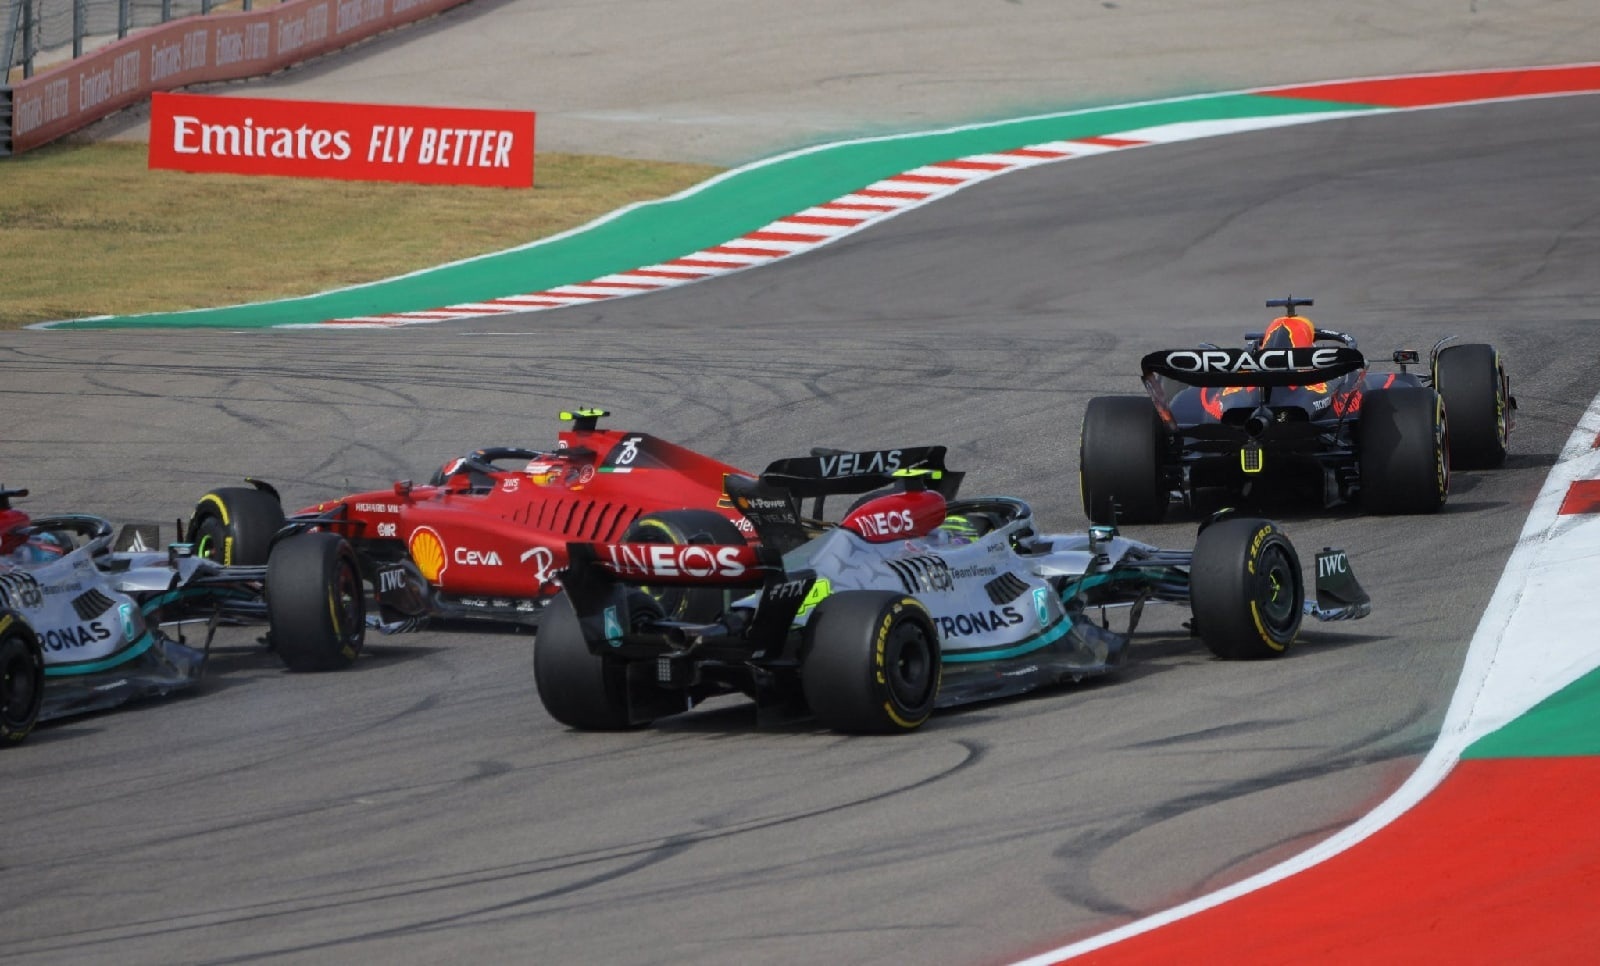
x,y
579,688
1246,589
316,603
1472,382
871,662
21,678
1405,467
696,605
1119,461
234,525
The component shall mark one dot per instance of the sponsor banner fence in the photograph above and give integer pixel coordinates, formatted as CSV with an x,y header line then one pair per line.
x,y
323,139
214,47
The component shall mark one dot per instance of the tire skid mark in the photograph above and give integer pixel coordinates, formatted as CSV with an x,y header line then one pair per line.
x,y
635,857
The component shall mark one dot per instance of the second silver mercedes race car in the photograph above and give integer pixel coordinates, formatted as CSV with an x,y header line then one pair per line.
x,y
91,617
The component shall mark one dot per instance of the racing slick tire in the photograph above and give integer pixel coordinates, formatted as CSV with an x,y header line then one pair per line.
x,y
870,662
21,678
316,603
1404,446
1472,382
1245,589
1119,459
696,605
234,525
579,688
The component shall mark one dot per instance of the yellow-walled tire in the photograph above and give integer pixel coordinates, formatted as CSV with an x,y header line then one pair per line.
x,y
1246,589
871,663
234,525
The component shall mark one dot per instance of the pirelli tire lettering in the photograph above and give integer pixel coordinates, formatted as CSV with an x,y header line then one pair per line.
x,y
872,662
1246,589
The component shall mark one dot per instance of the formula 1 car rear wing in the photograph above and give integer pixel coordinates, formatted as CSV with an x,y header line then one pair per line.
x,y
771,502
829,472
1210,366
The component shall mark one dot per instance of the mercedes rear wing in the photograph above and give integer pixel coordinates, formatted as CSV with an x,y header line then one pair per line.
x,y
830,472
771,502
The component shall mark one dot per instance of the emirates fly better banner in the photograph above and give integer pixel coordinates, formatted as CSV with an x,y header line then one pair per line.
x,y
357,142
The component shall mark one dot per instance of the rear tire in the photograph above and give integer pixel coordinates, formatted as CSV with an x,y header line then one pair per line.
x,y
316,603
697,605
1404,445
1119,460
578,688
21,678
1245,589
1473,384
871,663
234,525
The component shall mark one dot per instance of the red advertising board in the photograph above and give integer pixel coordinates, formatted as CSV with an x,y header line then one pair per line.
x,y
356,142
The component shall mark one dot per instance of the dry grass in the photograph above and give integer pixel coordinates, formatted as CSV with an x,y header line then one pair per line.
x,y
87,229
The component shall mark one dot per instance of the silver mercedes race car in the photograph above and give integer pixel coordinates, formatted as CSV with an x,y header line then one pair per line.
x,y
91,618
914,600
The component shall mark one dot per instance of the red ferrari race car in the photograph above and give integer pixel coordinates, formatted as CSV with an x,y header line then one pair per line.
x,y
486,537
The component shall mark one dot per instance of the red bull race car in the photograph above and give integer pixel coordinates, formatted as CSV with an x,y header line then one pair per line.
x,y
486,537
1296,411
914,600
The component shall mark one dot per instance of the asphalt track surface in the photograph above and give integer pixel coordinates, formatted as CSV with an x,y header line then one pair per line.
x,y
422,806
731,81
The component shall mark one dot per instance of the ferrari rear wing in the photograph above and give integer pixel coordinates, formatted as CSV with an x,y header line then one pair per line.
x,y
1211,367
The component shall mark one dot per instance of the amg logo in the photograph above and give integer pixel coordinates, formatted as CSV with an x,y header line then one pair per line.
x,y
1244,360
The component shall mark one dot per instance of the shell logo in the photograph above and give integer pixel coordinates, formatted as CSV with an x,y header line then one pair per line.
x,y
427,550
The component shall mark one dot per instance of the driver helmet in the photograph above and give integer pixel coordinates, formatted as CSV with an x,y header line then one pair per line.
x,y
33,548
545,470
960,528
1290,332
